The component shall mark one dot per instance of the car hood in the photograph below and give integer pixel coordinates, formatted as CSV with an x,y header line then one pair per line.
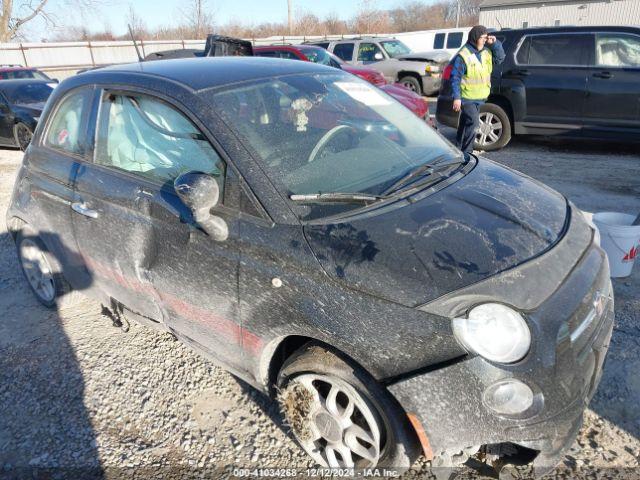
x,y
31,109
489,221
437,57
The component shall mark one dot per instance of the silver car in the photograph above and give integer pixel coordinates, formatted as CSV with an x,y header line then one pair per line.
x,y
420,72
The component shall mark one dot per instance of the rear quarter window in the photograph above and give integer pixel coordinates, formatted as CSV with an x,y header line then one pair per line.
x,y
454,40
65,130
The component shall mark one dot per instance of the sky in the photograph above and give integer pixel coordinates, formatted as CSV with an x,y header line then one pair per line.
x,y
113,13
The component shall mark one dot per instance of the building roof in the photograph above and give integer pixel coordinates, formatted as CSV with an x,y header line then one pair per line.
x,y
505,3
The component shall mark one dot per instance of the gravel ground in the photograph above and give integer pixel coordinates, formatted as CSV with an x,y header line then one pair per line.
x,y
77,393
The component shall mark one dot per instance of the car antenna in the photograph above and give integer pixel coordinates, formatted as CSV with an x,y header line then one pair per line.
x,y
140,59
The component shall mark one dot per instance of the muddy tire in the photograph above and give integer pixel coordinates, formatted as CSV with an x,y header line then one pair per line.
x,y
495,128
341,416
412,83
22,135
42,270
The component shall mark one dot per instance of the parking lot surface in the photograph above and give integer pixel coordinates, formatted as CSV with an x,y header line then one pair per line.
x,y
76,392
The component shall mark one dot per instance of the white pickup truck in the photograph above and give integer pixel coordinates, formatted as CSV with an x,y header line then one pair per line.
x,y
420,72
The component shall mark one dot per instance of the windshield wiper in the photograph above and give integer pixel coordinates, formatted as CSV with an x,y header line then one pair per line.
x,y
420,170
335,197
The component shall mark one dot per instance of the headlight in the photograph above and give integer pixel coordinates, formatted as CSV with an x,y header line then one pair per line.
x,y
494,331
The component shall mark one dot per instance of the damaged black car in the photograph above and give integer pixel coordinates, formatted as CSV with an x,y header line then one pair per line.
x,y
306,231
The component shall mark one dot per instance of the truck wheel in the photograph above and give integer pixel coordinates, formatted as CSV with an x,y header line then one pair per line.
x,y
412,83
42,270
494,131
340,415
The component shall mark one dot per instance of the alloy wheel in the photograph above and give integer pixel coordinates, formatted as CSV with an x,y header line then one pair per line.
x,y
339,429
490,129
37,270
23,136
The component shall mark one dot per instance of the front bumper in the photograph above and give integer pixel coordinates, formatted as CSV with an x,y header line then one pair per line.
x,y
563,369
431,84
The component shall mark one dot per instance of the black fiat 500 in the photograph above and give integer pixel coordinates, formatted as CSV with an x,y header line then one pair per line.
x,y
309,233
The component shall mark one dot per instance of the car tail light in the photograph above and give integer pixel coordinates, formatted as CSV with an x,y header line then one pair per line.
x,y
446,75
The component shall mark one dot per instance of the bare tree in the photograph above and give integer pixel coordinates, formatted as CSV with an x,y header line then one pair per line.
x,y
198,19
290,16
14,15
370,19
136,22
333,25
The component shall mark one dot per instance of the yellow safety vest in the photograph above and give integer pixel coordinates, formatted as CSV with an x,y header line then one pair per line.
x,y
476,83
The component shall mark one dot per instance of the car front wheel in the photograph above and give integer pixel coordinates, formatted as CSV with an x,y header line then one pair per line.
x,y
494,131
412,83
22,135
340,415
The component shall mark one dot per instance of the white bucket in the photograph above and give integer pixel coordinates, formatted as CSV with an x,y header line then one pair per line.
x,y
619,239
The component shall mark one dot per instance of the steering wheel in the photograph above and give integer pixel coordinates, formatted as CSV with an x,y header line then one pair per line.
x,y
325,140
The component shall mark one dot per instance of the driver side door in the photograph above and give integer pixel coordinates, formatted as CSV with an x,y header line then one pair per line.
x,y
147,142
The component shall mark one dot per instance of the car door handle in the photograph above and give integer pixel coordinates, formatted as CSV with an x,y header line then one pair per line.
x,y
605,75
519,72
82,209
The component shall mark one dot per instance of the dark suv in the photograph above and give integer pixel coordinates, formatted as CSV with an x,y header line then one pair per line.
x,y
571,81
301,228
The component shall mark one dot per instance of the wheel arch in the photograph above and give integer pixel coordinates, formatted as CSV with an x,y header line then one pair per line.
x,y
504,103
278,350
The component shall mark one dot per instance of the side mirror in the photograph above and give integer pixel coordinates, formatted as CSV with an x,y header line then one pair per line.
x,y
200,192
378,56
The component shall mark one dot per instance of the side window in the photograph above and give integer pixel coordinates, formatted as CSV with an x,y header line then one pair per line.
x,y
561,49
261,53
287,55
454,40
324,45
367,52
150,138
344,51
438,41
617,50
522,57
65,130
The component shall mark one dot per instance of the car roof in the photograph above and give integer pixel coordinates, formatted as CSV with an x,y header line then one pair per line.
x,y
208,72
565,29
368,39
288,47
13,68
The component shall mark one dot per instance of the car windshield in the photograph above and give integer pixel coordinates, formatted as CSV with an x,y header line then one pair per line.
x,y
395,48
29,93
319,55
327,133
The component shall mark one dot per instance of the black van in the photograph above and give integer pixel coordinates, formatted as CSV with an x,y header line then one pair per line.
x,y
571,81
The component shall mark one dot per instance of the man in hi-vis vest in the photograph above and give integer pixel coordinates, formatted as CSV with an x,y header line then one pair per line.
x,y
471,82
